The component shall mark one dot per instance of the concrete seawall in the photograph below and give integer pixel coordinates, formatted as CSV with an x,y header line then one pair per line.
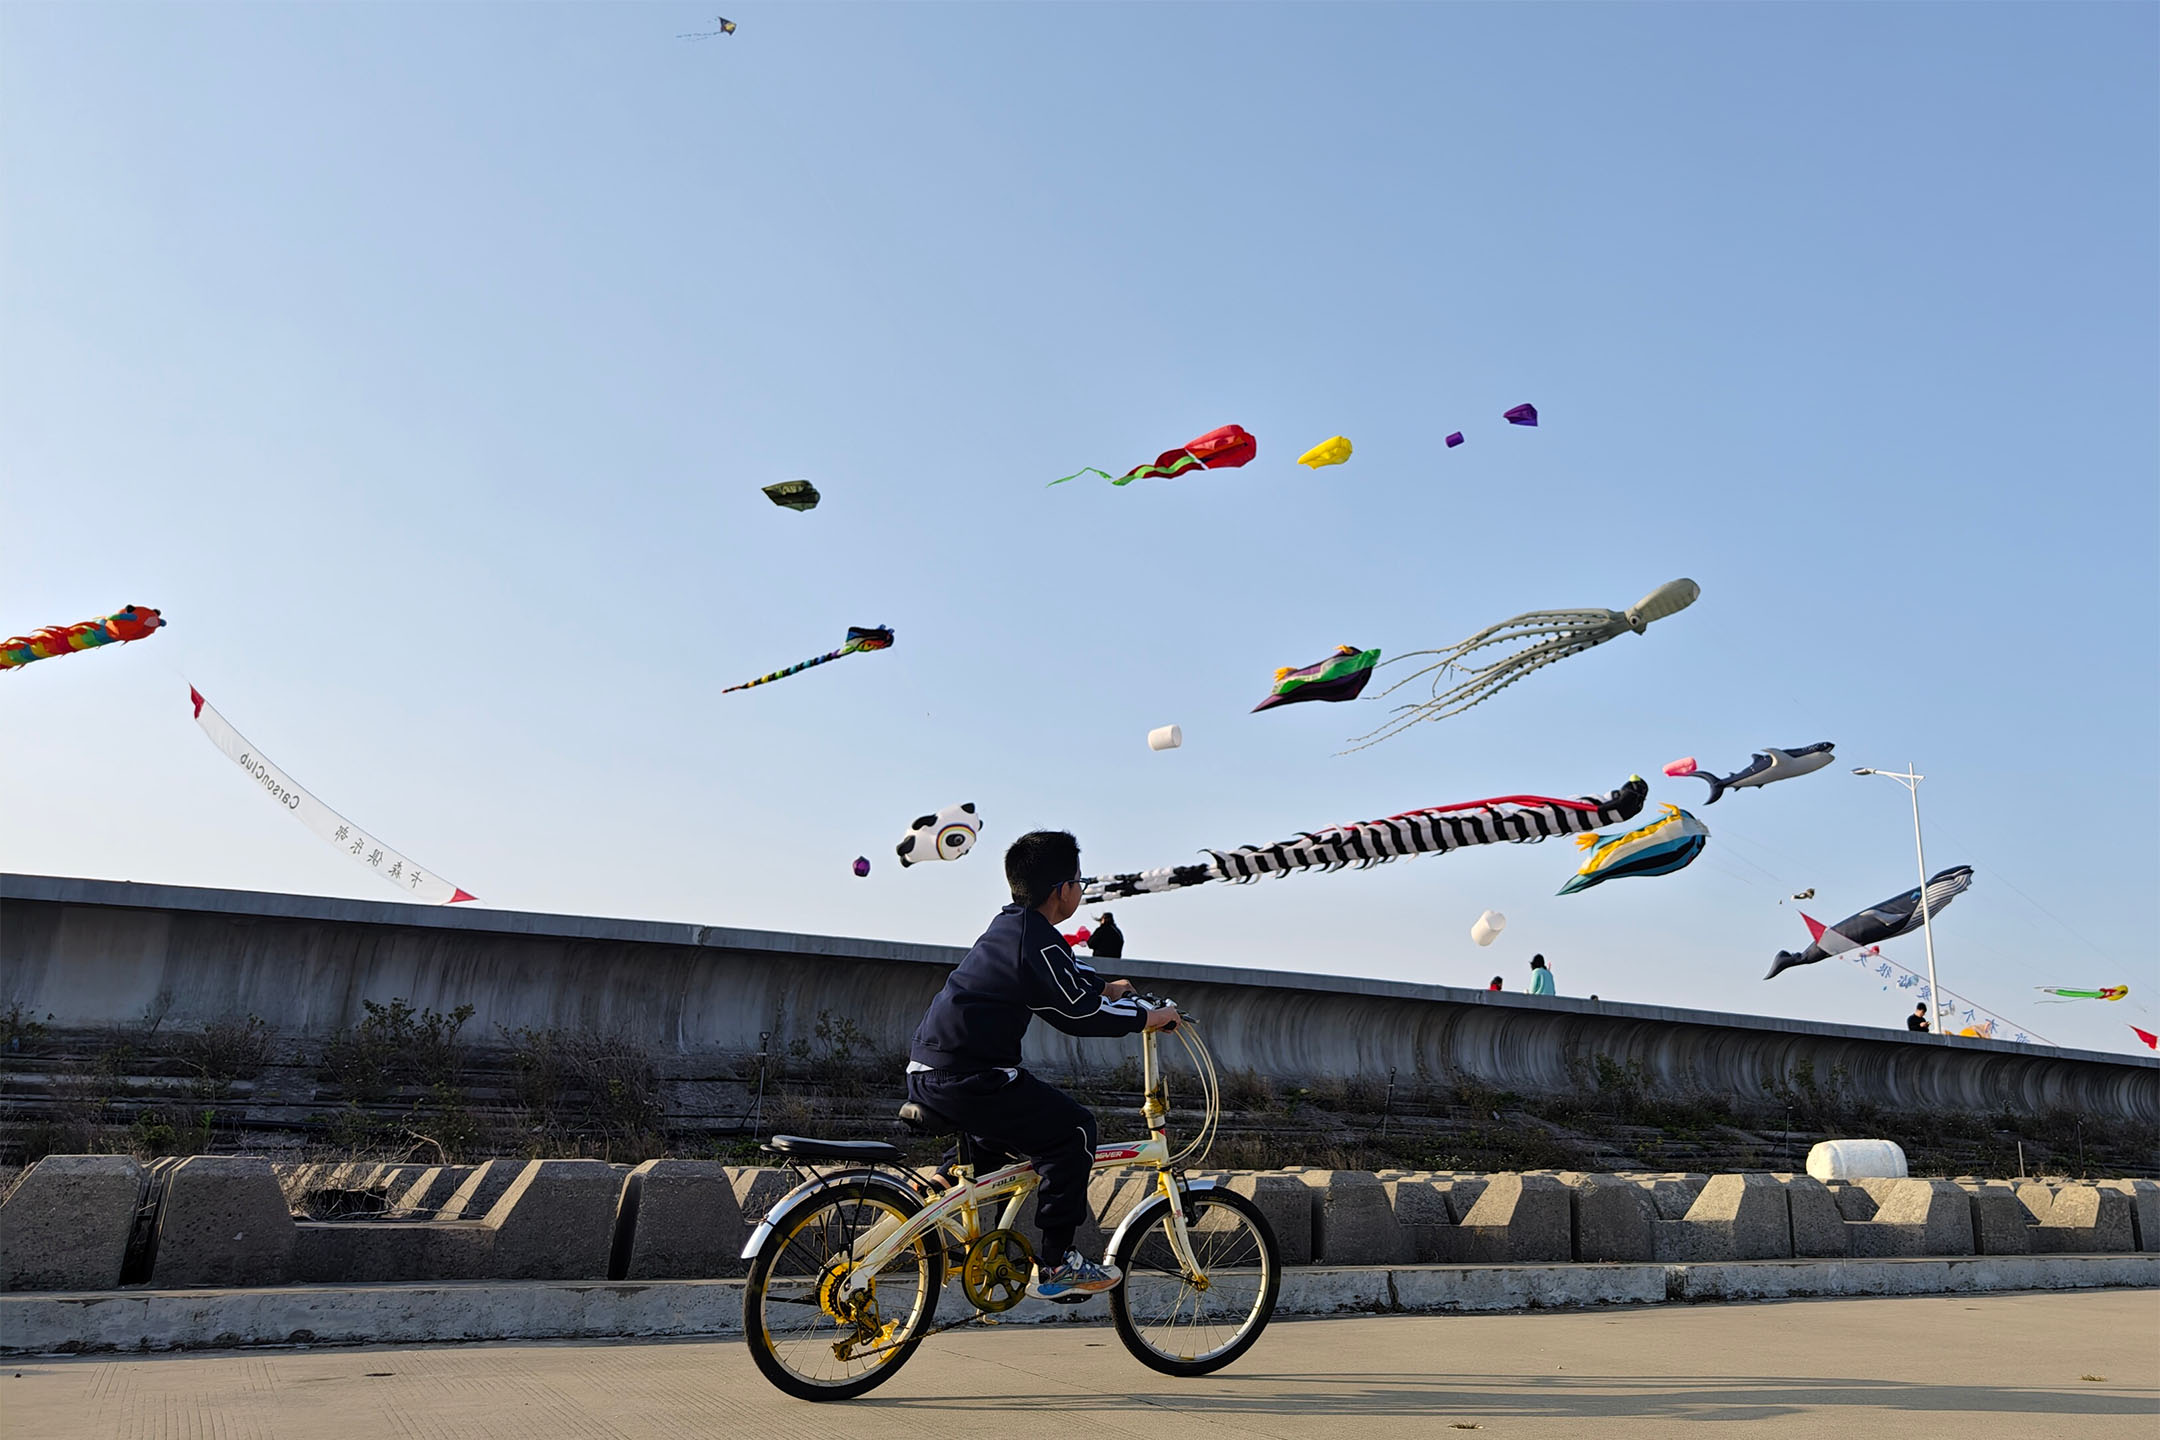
x,y
96,954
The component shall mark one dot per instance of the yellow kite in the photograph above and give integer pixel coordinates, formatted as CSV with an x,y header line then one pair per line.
x,y
1327,452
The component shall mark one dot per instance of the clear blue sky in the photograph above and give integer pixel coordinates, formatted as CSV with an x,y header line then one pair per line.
x,y
424,364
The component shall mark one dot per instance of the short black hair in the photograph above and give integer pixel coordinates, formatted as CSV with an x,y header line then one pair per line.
x,y
1038,862
1537,962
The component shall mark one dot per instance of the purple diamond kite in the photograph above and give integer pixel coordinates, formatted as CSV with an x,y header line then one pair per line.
x,y
1524,414
862,867
1454,440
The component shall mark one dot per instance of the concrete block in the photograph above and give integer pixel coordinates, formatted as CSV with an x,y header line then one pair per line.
x,y
1463,1193
759,1187
1915,1217
2037,1198
478,1192
1736,1217
355,1252
1818,1226
2086,1220
2144,1210
1853,1203
1671,1195
430,1191
555,1222
2001,1223
1287,1204
1519,1220
224,1221
1420,1207
66,1223
1351,1221
687,1225
1612,1219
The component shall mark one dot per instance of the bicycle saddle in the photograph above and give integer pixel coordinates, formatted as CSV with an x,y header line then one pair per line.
x,y
834,1149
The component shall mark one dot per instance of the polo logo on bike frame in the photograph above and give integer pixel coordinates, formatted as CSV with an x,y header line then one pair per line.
x,y
846,1269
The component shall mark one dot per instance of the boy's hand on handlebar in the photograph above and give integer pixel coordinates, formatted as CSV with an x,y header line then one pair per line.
x,y
1116,989
1165,1018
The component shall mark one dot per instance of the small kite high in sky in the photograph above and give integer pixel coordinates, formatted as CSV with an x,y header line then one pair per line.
x,y
1768,767
1659,848
1899,915
1339,677
2105,992
1223,449
1543,637
727,27
858,638
131,622
1327,452
387,864
794,494
1503,819
1487,927
1523,414
1454,438
862,866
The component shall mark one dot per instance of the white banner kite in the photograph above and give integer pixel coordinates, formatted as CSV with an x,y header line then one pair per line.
x,y
409,878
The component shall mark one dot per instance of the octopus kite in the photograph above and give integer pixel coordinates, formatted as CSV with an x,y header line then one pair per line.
x,y
135,622
1541,637
858,638
1223,449
1503,819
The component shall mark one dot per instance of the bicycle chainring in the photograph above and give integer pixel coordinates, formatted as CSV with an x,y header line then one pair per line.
x,y
994,1276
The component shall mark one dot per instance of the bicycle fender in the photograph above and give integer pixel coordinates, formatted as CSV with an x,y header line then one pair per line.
x,y
802,1194
1191,1187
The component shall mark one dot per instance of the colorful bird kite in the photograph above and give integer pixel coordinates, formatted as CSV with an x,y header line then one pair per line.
x,y
1503,819
133,622
1659,848
1524,414
1339,677
1543,637
388,865
1899,915
1223,449
1768,767
947,835
2105,992
1327,452
794,494
858,638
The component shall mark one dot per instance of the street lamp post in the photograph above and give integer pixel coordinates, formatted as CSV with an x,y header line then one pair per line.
x,y
1910,778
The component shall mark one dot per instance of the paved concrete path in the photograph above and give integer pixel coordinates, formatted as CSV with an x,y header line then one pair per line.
x,y
2026,1365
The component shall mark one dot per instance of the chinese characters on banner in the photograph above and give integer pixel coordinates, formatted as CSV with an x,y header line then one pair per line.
x,y
394,868
1954,1014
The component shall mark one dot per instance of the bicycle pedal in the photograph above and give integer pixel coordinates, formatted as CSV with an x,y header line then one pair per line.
x,y
1080,1299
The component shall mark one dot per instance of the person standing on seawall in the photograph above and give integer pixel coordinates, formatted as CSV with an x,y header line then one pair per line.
x,y
1918,1019
1106,942
1541,981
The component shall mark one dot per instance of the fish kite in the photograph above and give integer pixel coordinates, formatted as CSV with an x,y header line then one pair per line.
x,y
1223,449
1503,819
2152,1041
1899,915
1339,677
1768,767
947,835
1327,452
794,494
1454,439
858,638
2105,992
1659,848
409,879
1542,636
727,27
862,866
1524,414
132,622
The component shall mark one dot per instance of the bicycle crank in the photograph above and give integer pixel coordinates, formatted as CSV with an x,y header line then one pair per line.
x,y
994,1276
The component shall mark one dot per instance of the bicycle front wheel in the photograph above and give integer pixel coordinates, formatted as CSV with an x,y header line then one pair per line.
x,y
1194,1324
807,1334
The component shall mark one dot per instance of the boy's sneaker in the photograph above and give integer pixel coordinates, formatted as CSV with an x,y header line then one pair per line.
x,y
1073,1279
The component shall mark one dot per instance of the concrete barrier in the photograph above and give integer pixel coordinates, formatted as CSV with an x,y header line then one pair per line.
x,y
2000,1222
1736,1217
1612,1220
1914,1217
679,1220
66,1224
1352,1222
94,954
2083,1220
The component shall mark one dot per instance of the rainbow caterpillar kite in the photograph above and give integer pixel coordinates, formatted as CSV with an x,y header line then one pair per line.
x,y
2105,992
134,622
858,638
1505,818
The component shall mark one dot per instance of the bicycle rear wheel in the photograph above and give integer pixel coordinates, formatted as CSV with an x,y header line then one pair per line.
x,y
803,1335
1194,1324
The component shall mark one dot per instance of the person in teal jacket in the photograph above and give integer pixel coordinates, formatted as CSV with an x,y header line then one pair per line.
x,y
1541,982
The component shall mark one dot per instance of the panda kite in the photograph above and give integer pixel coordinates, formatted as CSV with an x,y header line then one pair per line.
x,y
947,835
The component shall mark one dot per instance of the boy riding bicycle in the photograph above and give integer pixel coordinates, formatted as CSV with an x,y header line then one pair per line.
x,y
964,1063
